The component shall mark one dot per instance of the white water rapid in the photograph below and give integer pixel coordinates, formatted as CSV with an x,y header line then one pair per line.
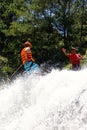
x,y
56,101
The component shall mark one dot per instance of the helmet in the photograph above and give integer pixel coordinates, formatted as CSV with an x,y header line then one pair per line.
x,y
28,44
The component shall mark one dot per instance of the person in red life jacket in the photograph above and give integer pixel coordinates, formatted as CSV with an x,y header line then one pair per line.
x,y
74,58
28,60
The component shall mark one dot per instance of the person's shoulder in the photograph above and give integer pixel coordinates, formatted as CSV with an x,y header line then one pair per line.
x,y
69,54
78,54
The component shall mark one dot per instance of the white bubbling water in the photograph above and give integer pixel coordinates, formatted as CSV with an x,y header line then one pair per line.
x,y
56,101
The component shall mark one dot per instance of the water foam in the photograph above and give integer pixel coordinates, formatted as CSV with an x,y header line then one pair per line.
x,y
56,101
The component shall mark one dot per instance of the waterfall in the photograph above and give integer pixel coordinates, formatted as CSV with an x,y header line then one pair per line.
x,y
55,101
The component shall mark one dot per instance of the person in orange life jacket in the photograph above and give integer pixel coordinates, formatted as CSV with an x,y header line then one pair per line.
x,y
28,60
74,58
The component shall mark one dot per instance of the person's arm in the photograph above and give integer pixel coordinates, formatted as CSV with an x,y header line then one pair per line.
x,y
28,51
80,57
64,51
33,59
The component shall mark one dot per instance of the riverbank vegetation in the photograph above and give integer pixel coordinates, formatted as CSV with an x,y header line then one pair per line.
x,y
48,25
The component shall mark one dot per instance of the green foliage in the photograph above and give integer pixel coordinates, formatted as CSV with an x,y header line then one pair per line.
x,y
5,70
84,61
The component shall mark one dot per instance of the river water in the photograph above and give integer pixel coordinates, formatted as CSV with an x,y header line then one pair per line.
x,y
55,101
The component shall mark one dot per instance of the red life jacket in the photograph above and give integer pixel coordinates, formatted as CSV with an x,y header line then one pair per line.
x,y
26,55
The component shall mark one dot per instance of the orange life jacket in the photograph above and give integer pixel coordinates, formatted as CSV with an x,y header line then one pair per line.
x,y
26,56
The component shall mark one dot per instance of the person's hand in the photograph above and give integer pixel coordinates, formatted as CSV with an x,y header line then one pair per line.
x,y
33,60
64,50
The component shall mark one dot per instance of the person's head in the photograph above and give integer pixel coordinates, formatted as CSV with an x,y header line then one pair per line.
x,y
73,50
28,44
